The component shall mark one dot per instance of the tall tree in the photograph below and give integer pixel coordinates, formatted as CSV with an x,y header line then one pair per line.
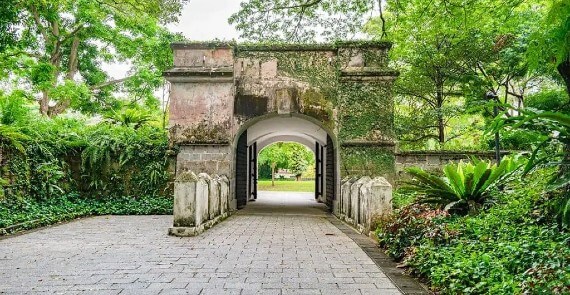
x,y
302,20
63,44
440,46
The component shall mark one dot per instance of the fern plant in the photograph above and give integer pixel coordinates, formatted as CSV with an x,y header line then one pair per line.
x,y
464,188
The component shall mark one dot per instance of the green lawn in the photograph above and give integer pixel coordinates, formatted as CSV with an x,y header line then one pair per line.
x,y
286,186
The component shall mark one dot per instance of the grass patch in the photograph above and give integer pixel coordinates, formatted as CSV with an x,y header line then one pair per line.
x,y
286,186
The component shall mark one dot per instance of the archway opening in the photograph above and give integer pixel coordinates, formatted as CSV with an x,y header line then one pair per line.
x,y
265,132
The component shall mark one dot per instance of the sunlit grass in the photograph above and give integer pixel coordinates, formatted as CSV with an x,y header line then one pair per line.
x,y
286,186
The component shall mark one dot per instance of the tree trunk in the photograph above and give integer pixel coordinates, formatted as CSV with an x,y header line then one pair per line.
x,y
440,120
564,70
272,174
44,103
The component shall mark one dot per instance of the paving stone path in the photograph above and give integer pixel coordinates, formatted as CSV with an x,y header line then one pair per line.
x,y
281,244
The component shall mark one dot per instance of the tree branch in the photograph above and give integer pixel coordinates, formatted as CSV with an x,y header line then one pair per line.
x,y
110,83
39,24
304,6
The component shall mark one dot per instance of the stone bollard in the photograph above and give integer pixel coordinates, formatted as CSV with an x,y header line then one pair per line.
x,y
355,198
214,198
224,196
380,201
184,205
364,210
202,199
345,196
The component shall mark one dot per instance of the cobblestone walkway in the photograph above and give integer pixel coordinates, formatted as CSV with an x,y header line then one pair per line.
x,y
281,244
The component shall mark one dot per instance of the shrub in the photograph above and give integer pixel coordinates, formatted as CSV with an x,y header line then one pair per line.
x,y
409,226
464,187
513,247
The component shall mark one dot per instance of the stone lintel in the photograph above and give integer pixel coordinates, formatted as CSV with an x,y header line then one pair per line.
x,y
200,75
365,74
368,72
375,143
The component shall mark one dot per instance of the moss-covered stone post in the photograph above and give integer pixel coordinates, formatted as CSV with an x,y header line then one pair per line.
x,y
365,110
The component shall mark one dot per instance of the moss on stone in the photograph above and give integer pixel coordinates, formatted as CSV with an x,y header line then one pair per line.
x,y
187,176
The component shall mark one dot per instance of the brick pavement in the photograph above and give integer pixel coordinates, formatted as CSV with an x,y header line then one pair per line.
x,y
281,244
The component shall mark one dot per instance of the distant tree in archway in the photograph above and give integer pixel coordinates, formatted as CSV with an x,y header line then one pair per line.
x,y
286,155
299,161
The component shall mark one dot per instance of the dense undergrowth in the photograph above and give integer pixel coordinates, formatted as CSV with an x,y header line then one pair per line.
x,y
28,214
62,168
513,246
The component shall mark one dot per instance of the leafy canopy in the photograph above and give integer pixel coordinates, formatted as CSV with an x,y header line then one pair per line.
x,y
63,45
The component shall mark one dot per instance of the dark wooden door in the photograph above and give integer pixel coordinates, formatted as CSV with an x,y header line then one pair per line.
x,y
241,171
319,171
252,182
330,173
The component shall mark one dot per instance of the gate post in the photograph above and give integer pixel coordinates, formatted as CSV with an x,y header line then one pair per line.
x,y
366,110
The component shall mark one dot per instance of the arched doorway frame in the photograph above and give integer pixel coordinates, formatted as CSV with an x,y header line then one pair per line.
x,y
332,176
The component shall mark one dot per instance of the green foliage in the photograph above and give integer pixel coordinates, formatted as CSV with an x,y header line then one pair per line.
x,y
11,137
399,232
554,150
513,247
464,188
29,213
299,161
552,39
59,156
130,117
8,18
286,155
13,108
302,21
286,186
555,100
59,48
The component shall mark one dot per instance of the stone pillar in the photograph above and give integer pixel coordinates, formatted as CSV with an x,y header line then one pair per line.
x,y
366,110
379,202
202,199
355,198
214,202
184,205
201,120
224,196
345,196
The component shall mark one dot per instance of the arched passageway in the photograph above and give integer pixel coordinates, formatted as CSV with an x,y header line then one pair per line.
x,y
264,132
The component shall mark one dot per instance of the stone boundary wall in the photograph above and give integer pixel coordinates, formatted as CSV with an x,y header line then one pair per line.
x,y
363,201
435,160
200,202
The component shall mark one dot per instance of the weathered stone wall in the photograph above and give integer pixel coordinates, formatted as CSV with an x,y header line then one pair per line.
x,y
363,201
435,160
210,159
200,202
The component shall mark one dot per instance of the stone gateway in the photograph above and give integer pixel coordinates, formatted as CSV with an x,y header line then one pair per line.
x,y
228,101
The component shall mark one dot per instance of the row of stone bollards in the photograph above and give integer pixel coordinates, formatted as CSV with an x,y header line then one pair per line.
x,y
363,201
200,202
